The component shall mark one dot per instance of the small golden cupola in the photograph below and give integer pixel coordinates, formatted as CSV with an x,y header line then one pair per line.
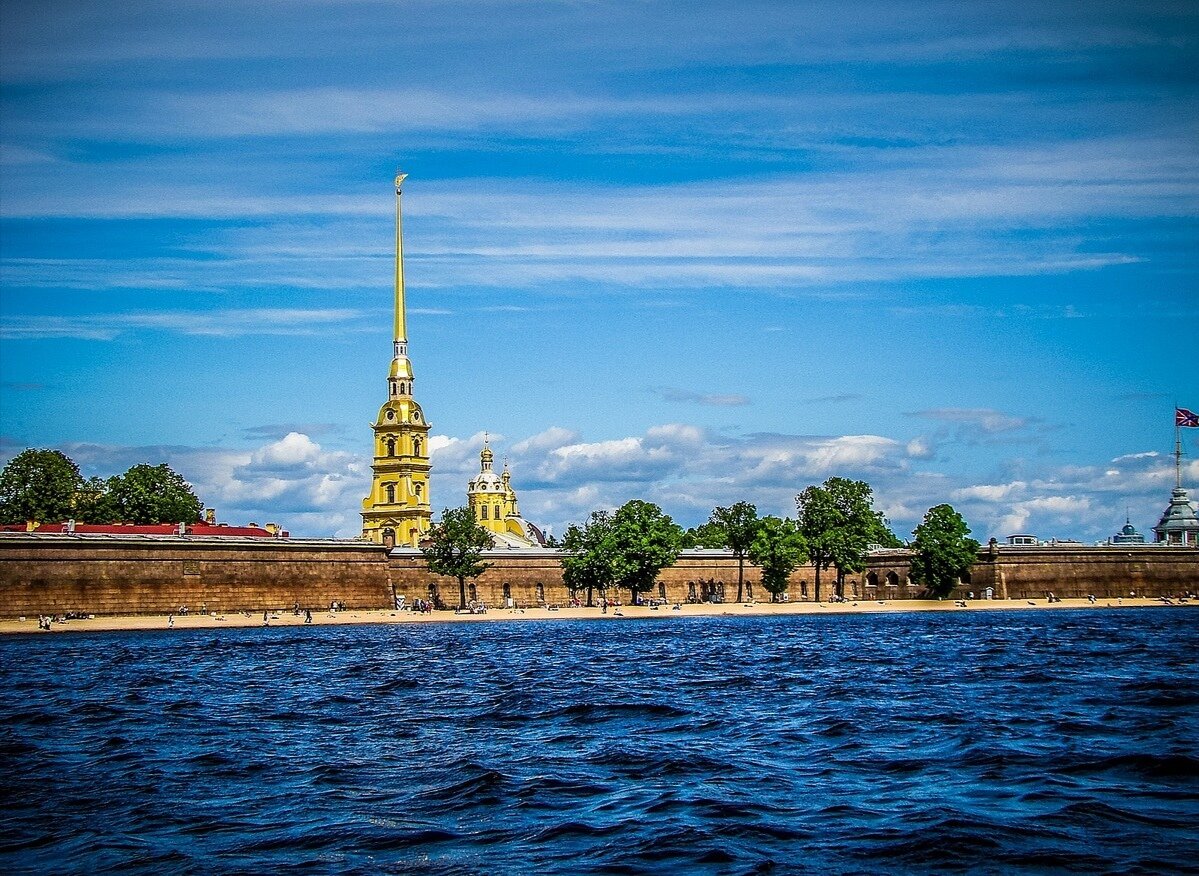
x,y
493,502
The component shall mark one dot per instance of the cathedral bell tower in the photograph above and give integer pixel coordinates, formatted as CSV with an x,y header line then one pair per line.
x,y
397,511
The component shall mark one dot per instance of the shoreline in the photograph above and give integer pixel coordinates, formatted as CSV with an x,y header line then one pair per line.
x,y
356,617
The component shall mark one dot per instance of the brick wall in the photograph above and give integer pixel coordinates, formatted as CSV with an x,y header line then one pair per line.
x,y
103,575
158,574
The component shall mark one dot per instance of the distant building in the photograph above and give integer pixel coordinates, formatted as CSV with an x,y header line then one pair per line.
x,y
1024,539
1179,524
1127,535
397,511
70,527
493,502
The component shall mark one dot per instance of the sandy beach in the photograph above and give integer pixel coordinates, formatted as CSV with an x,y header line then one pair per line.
x,y
351,616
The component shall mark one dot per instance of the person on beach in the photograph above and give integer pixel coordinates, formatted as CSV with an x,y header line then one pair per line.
x,y
265,621
170,621
307,615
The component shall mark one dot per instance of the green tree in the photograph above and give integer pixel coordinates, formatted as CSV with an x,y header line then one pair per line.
x,y
706,535
92,502
839,522
455,548
39,485
943,550
778,548
740,526
861,526
818,520
587,553
644,542
152,494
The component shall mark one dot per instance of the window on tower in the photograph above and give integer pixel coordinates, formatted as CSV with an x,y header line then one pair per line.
x,y
390,489
484,512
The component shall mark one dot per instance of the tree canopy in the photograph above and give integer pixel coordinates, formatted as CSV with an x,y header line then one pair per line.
x,y
151,494
644,541
778,548
587,553
942,550
455,548
45,485
739,523
39,485
706,535
839,522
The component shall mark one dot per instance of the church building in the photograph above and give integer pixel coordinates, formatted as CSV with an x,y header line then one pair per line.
x,y
493,502
397,511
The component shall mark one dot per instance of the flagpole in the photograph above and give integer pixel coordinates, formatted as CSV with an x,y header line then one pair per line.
x,y
1177,454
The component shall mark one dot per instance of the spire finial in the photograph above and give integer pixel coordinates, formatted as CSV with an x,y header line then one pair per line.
x,y
485,455
401,328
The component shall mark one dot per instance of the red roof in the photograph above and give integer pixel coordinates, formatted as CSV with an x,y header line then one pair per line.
x,y
147,529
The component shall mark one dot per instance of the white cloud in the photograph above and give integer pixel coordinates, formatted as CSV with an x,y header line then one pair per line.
x,y
920,448
551,439
561,478
713,399
984,419
212,323
990,492
291,450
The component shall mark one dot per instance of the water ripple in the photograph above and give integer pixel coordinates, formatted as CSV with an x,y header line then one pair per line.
x,y
989,742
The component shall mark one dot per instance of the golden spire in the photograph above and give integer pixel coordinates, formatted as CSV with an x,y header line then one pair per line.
x,y
401,329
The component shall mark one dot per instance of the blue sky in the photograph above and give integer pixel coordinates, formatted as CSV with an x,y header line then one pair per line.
x,y
687,252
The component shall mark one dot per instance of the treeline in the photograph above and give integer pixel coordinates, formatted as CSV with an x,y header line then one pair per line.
x,y
47,486
835,527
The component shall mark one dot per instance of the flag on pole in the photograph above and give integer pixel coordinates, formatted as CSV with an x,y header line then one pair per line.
x,y
1183,417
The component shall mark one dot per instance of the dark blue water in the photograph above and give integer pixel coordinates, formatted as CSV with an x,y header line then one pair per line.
x,y
993,742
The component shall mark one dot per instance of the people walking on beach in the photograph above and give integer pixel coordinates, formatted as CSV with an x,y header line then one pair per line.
x,y
170,621
307,615
265,620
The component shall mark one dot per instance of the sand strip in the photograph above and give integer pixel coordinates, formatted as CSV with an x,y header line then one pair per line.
x,y
362,616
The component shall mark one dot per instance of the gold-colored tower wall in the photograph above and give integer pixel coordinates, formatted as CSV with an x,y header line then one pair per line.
x,y
398,509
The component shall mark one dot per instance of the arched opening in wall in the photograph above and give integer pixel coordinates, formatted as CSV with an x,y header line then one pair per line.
x,y
484,511
661,589
872,580
390,490
434,595
749,589
540,594
507,594
389,537
391,447
419,489
892,579
965,579
416,447
691,596
414,537
473,592
803,589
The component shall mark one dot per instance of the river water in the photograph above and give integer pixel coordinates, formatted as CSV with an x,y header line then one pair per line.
x,y
975,741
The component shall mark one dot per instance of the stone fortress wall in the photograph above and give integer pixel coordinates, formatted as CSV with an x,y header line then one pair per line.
x,y
42,574
159,574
